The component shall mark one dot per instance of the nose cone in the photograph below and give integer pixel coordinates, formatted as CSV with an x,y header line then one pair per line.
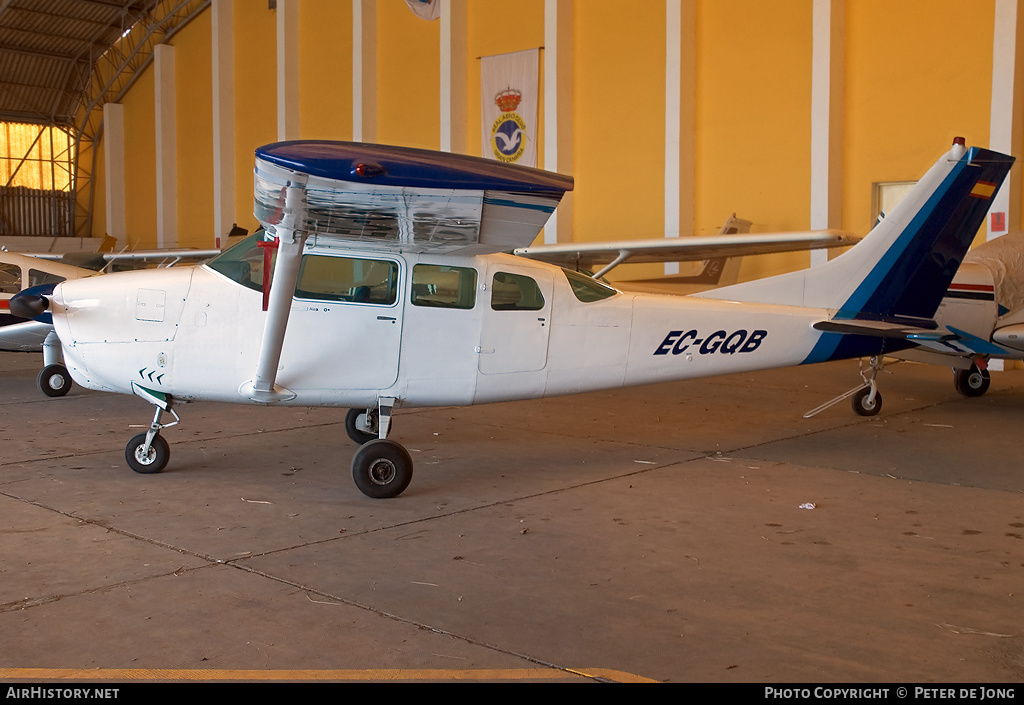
x,y
32,303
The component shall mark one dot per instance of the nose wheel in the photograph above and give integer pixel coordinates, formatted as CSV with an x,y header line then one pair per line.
x,y
148,453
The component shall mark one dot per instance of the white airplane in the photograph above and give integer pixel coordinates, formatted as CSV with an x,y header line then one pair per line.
x,y
19,272
380,283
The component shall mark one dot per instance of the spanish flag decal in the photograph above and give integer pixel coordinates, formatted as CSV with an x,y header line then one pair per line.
x,y
983,189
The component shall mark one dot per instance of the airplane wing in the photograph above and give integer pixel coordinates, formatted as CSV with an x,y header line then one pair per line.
x,y
23,336
97,261
683,249
402,199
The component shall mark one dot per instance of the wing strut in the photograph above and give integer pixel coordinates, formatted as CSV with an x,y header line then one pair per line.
x,y
289,255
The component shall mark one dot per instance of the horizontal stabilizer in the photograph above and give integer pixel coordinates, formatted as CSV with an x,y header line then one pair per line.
x,y
922,333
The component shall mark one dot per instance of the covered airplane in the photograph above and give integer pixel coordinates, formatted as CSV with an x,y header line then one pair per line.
x,y
380,282
981,318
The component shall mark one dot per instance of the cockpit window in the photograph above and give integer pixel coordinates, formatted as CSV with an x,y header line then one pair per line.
x,y
37,277
242,263
364,281
586,288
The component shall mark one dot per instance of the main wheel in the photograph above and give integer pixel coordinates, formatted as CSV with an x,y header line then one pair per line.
x,y
862,406
361,426
54,380
382,469
973,382
147,463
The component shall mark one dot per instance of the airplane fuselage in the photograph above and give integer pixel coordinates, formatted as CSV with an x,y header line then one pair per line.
x,y
427,330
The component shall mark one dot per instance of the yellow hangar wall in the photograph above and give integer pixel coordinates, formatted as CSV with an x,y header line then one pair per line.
x,y
914,74
918,74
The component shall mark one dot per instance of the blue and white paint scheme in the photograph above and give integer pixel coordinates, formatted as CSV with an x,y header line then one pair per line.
x,y
382,279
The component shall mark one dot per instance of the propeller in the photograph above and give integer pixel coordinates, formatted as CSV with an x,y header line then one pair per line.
x,y
31,302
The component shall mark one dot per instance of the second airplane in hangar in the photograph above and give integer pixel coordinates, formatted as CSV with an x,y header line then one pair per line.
x,y
379,282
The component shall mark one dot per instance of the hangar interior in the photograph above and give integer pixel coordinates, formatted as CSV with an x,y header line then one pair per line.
x,y
671,116
706,531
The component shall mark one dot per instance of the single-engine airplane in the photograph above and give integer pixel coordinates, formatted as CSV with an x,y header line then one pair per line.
x,y
380,281
17,273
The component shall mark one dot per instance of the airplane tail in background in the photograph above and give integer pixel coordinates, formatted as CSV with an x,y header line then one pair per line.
x,y
900,271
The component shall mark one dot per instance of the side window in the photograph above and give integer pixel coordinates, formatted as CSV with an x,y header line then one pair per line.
x,y
35,278
10,278
366,281
586,288
440,286
515,292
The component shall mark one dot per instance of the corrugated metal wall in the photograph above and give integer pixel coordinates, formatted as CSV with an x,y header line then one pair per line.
x,y
26,211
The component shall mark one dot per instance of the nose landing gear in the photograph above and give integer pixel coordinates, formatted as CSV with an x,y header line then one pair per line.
x,y
148,452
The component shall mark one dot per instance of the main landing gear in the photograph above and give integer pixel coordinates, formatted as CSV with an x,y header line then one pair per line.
x,y
381,468
53,380
974,381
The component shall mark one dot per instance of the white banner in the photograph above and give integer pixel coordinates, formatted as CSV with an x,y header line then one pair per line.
x,y
508,86
426,9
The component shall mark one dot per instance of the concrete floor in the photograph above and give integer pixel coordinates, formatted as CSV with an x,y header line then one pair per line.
x,y
649,534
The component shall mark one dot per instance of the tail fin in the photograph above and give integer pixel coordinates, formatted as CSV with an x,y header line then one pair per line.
x,y
902,268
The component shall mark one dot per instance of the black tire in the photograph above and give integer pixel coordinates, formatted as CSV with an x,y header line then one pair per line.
x,y
357,434
973,382
54,380
382,469
861,405
154,462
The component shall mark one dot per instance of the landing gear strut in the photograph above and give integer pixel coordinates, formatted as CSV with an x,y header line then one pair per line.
x,y
381,468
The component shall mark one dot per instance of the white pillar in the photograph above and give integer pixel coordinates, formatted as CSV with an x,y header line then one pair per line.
x,y
364,71
827,90
558,116
680,120
166,147
287,69
453,76
1004,130
113,157
222,35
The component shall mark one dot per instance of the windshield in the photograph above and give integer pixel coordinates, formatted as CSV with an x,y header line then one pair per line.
x,y
243,263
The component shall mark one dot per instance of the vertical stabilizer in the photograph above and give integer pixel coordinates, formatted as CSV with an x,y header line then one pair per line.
x,y
903,267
